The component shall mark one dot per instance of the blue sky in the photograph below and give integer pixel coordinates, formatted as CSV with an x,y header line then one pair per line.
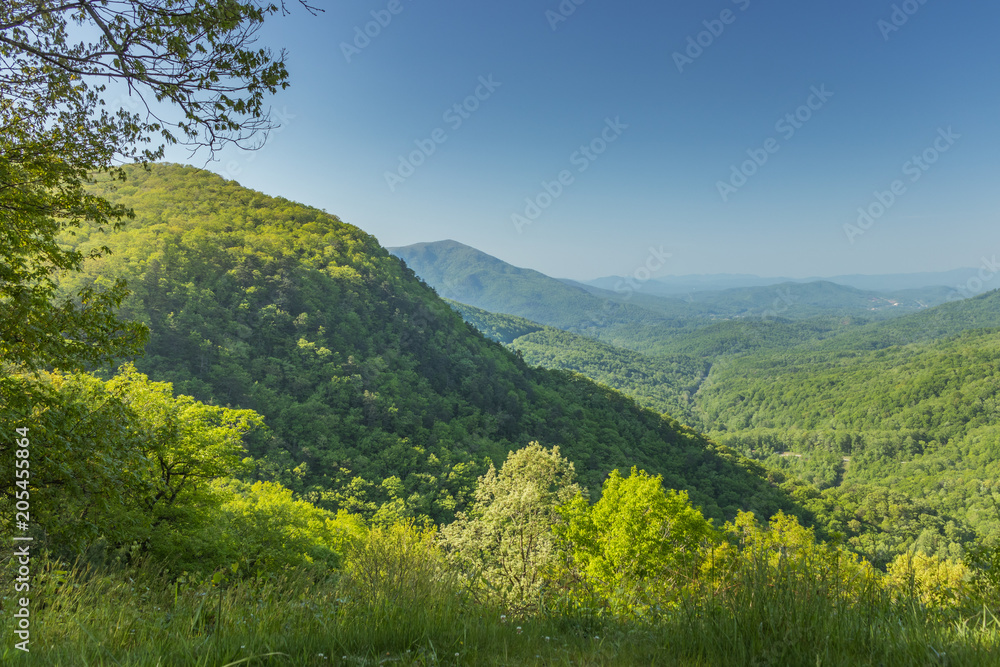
x,y
661,131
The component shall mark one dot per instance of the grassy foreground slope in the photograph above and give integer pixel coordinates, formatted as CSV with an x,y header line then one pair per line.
x,y
378,396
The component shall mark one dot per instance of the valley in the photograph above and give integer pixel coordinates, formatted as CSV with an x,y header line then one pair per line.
x,y
911,400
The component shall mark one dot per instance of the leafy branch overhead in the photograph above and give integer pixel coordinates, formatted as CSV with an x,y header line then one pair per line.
x,y
199,81
196,56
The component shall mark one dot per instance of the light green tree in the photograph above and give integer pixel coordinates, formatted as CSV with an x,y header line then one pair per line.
x,y
637,543
398,569
785,551
505,543
125,462
265,528
935,581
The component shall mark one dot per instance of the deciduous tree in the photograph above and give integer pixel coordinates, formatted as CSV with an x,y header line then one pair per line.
x,y
196,80
635,542
505,541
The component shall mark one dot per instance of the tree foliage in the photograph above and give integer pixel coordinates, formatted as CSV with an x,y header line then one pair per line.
x,y
125,467
637,532
938,582
265,529
505,542
397,569
193,58
786,550
42,195
122,461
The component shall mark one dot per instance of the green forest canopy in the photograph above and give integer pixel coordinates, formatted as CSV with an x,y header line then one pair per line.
x,y
378,398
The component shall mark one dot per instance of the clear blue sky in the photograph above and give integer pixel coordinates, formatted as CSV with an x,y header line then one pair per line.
x,y
895,94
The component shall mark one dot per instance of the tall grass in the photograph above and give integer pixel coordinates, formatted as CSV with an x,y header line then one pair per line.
x,y
796,614
396,605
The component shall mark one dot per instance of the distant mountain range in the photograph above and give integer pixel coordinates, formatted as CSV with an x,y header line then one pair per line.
x,y
602,307
689,284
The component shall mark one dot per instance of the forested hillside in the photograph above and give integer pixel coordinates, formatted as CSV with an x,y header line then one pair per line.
x,y
920,419
949,319
902,438
897,446
378,397
661,383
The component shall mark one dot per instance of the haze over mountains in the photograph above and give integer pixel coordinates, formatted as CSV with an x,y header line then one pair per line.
x,y
443,259
467,275
682,285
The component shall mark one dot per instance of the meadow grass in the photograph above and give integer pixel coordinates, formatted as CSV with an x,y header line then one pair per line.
x,y
141,616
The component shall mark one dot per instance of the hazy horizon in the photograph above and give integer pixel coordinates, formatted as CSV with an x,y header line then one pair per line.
x,y
661,275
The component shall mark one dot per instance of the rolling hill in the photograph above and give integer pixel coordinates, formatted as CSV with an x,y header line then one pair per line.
x,y
464,274
740,318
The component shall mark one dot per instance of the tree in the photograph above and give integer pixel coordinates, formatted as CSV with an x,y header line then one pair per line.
x,y
786,551
632,542
266,529
124,461
397,569
505,542
935,581
192,57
